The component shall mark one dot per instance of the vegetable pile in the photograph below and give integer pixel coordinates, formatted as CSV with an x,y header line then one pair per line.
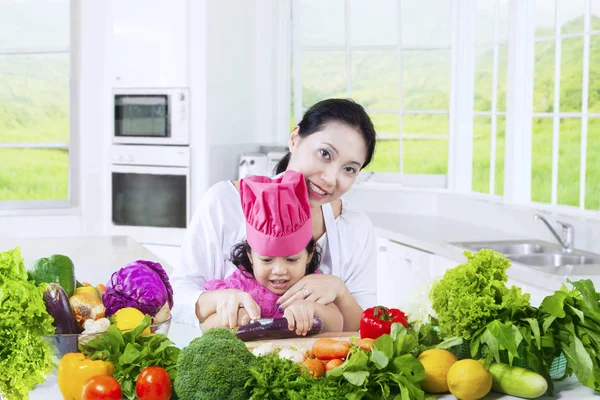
x,y
131,353
384,368
25,358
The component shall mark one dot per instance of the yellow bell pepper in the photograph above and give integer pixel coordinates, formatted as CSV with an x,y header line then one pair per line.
x,y
75,369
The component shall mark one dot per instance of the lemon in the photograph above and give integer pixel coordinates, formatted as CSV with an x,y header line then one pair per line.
x,y
469,380
87,289
436,362
129,318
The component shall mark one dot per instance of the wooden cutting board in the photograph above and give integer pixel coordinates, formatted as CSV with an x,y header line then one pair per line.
x,y
302,342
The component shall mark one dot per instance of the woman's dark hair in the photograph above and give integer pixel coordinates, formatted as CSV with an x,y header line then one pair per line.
x,y
239,257
345,111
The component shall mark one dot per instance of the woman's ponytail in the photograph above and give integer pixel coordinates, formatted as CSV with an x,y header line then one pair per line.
x,y
283,164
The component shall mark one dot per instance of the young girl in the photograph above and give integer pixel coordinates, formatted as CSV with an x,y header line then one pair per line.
x,y
278,251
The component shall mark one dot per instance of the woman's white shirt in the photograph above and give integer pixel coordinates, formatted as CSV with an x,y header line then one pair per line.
x,y
219,224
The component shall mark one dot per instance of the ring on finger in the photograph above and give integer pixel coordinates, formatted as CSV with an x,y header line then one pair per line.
x,y
305,293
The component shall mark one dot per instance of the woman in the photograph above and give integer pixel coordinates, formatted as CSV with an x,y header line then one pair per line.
x,y
332,143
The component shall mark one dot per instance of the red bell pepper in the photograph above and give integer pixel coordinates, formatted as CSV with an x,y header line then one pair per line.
x,y
376,321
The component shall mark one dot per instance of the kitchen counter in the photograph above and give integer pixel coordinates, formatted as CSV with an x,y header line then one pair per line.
x,y
181,335
434,234
95,257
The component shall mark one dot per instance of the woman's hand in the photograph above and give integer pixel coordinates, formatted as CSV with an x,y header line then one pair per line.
x,y
232,306
300,315
320,288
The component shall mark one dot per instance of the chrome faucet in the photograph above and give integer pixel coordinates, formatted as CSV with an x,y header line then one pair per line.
x,y
568,233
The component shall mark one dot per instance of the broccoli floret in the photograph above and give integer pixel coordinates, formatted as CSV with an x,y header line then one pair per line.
x,y
214,366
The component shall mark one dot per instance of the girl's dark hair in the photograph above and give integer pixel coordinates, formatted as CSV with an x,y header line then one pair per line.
x,y
345,111
239,257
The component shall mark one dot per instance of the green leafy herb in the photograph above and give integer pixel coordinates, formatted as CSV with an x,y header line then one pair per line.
x,y
25,357
131,353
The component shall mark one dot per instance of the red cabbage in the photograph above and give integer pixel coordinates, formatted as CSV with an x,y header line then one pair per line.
x,y
141,284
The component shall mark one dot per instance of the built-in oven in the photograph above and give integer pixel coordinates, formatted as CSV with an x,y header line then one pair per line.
x,y
151,116
150,193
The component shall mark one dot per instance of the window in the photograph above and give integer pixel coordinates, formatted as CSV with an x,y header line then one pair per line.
x,y
566,104
394,58
35,65
491,51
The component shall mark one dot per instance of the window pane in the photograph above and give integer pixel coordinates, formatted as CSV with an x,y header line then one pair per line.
x,y
426,80
425,144
500,140
502,79
375,79
425,156
570,14
424,124
541,160
544,17
387,156
34,98
323,76
595,15
426,23
34,24
373,23
322,22
386,124
592,170
543,85
594,82
568,162
482,129
484,21
484,62
571,74
482,133
503,21
34,174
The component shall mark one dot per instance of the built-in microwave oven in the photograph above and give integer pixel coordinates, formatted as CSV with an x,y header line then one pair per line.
x,y
151,116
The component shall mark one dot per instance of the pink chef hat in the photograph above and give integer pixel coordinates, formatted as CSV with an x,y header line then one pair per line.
x,y
278,222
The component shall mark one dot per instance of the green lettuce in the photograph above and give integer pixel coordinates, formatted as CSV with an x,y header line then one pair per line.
x,y
471,295
25,358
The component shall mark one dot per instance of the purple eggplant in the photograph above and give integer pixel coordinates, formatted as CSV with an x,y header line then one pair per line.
x,y
57,304
274,328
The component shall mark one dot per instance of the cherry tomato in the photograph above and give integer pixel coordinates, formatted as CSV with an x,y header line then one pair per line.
x,y
154,383
101,387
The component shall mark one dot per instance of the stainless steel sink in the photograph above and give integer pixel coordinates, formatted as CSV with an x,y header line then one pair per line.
x,y
537,253
556,259
513,247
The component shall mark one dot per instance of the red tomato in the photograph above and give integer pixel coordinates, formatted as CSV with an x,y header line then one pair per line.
x,y
154,383
101,387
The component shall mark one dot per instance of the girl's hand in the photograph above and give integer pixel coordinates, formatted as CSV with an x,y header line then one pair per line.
x,y
320,288
229,304
300,315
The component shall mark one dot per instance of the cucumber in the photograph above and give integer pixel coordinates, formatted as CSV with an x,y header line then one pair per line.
x,y
57,304
517,381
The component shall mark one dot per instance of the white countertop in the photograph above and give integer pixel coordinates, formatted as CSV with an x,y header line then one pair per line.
x,y
95,257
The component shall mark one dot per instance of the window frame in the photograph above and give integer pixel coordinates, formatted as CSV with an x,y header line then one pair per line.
x,y
518,114
434,181
11,206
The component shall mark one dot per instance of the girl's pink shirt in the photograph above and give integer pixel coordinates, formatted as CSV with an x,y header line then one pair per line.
x,y
266,300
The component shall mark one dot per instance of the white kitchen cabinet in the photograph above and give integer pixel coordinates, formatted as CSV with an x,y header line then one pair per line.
x,y
401,269
439,265
149,43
